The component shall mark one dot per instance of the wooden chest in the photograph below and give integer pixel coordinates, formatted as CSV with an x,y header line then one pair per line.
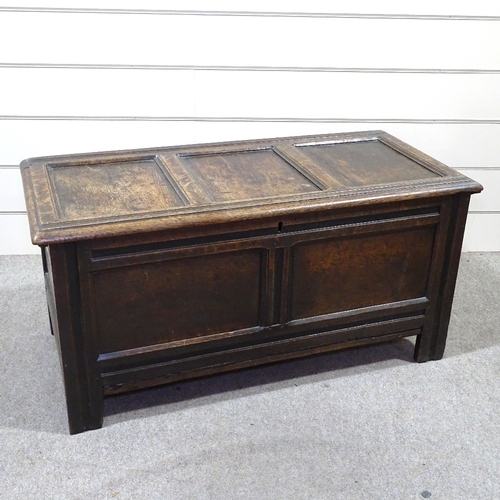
x,y
166,264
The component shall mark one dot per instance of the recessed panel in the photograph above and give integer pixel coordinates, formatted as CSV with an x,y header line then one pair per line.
x,y
108,190
180,299
344,273
365,163
244,175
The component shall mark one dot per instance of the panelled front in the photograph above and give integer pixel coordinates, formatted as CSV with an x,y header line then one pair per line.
x,y
170,301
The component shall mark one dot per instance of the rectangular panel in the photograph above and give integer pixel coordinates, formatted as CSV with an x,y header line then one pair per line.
x,y
348,95
359,164
95,92
242,175
107,190
248,40
153,303
269,94
346,273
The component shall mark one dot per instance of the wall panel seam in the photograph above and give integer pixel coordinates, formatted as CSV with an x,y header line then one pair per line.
x,y
286,69
242,119
230,13
485,212
460,169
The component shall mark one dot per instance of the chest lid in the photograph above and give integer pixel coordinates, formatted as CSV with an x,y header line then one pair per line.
x,y
85,196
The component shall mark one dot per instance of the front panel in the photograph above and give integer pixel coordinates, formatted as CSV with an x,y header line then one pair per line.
x,y
352,272
159,310
179,299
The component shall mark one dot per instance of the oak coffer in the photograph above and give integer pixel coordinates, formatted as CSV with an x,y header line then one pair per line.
x,y
170,263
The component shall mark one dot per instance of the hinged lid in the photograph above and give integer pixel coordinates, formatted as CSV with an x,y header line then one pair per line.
x,y
85,196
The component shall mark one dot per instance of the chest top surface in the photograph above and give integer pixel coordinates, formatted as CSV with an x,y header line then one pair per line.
x,y
84,196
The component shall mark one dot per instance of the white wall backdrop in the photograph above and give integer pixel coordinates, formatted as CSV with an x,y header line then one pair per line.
x,y
81,76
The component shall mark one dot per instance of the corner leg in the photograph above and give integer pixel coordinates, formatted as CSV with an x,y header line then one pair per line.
x,y
81,374
428,349
432,341
85,411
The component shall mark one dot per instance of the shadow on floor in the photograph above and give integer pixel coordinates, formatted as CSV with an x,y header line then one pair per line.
x,y
257,380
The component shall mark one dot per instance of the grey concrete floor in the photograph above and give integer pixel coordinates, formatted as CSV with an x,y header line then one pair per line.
x,y
367,423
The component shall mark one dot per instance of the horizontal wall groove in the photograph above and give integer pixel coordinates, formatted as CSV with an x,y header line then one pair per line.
x,y
483,212
478,168
229,13
250,119
291,69
9,167
13,212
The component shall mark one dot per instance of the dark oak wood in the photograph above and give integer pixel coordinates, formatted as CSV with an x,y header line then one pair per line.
x,y
172,263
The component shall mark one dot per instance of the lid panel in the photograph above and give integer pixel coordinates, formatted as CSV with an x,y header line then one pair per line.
x,y
107,190
364,163
244,175
96,195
